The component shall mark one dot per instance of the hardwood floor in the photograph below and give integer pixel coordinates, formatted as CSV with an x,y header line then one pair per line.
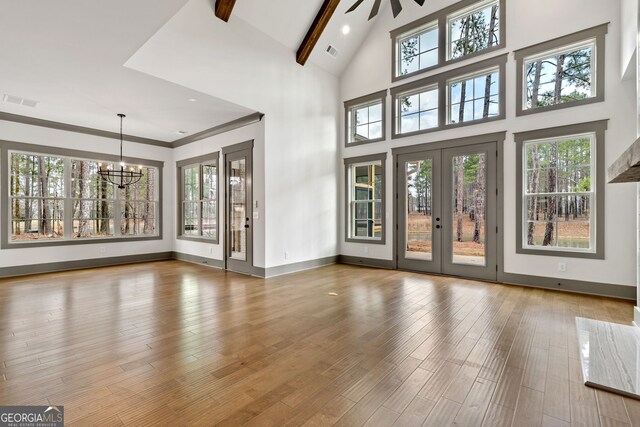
x,y
182,344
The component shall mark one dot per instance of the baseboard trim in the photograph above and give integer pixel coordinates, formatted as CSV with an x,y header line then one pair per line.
x,y
54,267
299,266
366,262
570,285
211,262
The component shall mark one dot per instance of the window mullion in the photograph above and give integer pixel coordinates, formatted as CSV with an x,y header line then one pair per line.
x,y
68,201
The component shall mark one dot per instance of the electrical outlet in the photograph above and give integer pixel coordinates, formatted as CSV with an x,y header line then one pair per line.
x,y
102,250
286,255
366,249
562,266
210,250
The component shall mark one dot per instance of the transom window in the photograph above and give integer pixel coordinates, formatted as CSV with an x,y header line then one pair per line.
x,y
560,76
474,97
365,122
365,118
418,50
418,110
474,29
199,198
365,198
56,198
561,73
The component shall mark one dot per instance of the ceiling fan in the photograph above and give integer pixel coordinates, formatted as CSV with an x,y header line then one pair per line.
x,y
396,7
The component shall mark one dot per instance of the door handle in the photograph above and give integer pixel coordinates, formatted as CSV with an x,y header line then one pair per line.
x,y
246,223
438,226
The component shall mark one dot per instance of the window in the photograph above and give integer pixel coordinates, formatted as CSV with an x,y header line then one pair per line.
x,y
474,97
464,96
365,118
94,201
465,29
417,51
561,194
37,194
474,30
198,211
562,72
57,199
365,205
418,110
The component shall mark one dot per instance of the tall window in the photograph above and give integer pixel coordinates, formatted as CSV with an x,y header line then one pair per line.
x,y
561,191
417,50
199,198
418,110
474,30
37,194
365,198
63,198
474,97
94,201
561,73
138,207
365,117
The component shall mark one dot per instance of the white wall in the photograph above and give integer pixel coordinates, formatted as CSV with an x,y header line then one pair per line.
x,y
17,132
236,62
212,144
527,23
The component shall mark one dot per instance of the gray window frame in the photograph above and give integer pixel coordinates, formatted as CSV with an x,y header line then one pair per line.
x,y
5,214
442,81
381,157
441,17
207,159
354,104
596,127
596,33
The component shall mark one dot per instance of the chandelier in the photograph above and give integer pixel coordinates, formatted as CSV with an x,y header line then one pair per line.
x,y
121,177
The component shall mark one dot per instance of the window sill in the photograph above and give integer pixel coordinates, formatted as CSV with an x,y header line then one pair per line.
x,y
198,239
88,241
365,240
560,253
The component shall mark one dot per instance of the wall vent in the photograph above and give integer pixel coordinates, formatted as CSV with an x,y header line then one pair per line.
x,y
332,51
10,99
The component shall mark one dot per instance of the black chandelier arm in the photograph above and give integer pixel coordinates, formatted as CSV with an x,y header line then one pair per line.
x,y
122,178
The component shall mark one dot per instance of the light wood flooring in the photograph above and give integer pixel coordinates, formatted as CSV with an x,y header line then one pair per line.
x,y
172,343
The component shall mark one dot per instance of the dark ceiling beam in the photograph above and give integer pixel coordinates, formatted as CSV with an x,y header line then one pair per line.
x,y
224,9
314,33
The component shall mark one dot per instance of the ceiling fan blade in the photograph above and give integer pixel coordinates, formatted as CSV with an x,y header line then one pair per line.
x,y
396,7
420,2
355,6
375,9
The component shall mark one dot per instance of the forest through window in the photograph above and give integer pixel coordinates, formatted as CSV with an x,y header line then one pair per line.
x,y
59,198
559,194
474,31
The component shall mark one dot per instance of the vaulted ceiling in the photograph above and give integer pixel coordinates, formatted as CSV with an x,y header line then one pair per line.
x,y
69,56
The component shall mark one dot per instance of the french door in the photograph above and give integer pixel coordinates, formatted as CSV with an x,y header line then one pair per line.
x,y
446,211
238,206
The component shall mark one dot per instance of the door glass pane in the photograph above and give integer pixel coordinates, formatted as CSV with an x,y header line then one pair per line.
x,y
469,209
238,206
419,208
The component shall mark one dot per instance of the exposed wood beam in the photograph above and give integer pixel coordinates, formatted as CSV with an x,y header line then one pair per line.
x,y
224,9
314,33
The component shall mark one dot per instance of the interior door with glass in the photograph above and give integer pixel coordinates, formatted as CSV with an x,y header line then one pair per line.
x,y
469,207
239,223
419,215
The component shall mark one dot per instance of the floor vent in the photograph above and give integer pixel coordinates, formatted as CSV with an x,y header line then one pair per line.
x,y
332,51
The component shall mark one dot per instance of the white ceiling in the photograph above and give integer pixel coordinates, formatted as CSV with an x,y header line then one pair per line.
x,y
69,56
